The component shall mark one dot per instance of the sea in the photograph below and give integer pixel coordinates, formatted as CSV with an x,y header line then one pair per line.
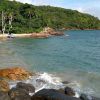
x,y
73,57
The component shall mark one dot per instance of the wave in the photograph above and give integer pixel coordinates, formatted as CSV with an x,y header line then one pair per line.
x,y
49,81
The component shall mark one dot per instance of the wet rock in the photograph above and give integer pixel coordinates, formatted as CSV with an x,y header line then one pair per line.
x,y
4,86
88,97
65,82
28,87
40,81
69,91
61,91
16,73
85,97
4,96
51,94
19,94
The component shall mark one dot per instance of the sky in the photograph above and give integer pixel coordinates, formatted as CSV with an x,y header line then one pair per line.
x,y
86,6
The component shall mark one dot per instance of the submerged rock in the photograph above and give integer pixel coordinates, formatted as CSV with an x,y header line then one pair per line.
x,y
28,87
51,94
16,73
4,96
4,86
19,94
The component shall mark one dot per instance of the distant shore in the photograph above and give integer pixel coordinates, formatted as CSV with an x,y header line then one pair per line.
x,y
44,34
47,32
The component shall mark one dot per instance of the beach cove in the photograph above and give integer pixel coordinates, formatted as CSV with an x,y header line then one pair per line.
x,y
73,58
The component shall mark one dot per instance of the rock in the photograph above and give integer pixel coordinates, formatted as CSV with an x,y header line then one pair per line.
x,y
19,94
85,97
4,96
28,87
16,73
4,86
51,31
40,35
69,91
51,94
61,91
88,97
57,33
40,81
65,82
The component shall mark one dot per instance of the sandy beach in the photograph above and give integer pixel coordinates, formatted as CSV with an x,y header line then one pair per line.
x,y
32,35
15,35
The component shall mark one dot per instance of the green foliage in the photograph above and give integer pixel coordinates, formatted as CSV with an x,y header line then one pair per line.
x,y
29,18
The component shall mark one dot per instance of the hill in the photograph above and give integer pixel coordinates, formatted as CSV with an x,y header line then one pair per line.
x,y
28,18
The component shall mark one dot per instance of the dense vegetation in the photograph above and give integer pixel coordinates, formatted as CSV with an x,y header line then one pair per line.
x,y
29,18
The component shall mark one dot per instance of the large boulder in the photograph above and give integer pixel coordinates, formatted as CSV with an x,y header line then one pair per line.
x,y
69,91
4,86
16,73
28,87
4,96
19,94
51,94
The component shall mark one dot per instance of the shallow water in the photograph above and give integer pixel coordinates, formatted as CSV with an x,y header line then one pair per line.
x,y
75,58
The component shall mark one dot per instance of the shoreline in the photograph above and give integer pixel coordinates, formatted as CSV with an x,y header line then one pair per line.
x,y
24,35
12,82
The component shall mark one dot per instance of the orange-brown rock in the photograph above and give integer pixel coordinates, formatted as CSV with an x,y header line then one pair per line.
x,y
40,35
16,73
4,86
51,31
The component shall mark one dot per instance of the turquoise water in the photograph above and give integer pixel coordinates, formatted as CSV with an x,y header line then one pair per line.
x,y
74,58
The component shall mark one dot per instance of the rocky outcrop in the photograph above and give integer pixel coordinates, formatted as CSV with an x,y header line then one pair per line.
x,y
22,92
40,35
28,87
19,94
47,32
16,73
51,94
51,31
4,86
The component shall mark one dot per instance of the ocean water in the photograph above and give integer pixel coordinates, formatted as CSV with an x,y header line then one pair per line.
x,y
74,57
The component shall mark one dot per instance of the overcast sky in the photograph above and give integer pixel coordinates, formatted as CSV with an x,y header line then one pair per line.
x,y
86,6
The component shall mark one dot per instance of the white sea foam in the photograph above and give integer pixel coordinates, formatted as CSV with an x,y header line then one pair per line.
x,y
48,81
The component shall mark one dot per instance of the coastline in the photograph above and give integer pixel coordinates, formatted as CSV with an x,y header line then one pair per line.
x,y
18,83
47,32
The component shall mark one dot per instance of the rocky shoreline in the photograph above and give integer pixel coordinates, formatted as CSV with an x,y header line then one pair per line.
x,y
46,33
27,91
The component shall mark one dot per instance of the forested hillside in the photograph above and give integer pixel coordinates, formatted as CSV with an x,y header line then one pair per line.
x,y
28,18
